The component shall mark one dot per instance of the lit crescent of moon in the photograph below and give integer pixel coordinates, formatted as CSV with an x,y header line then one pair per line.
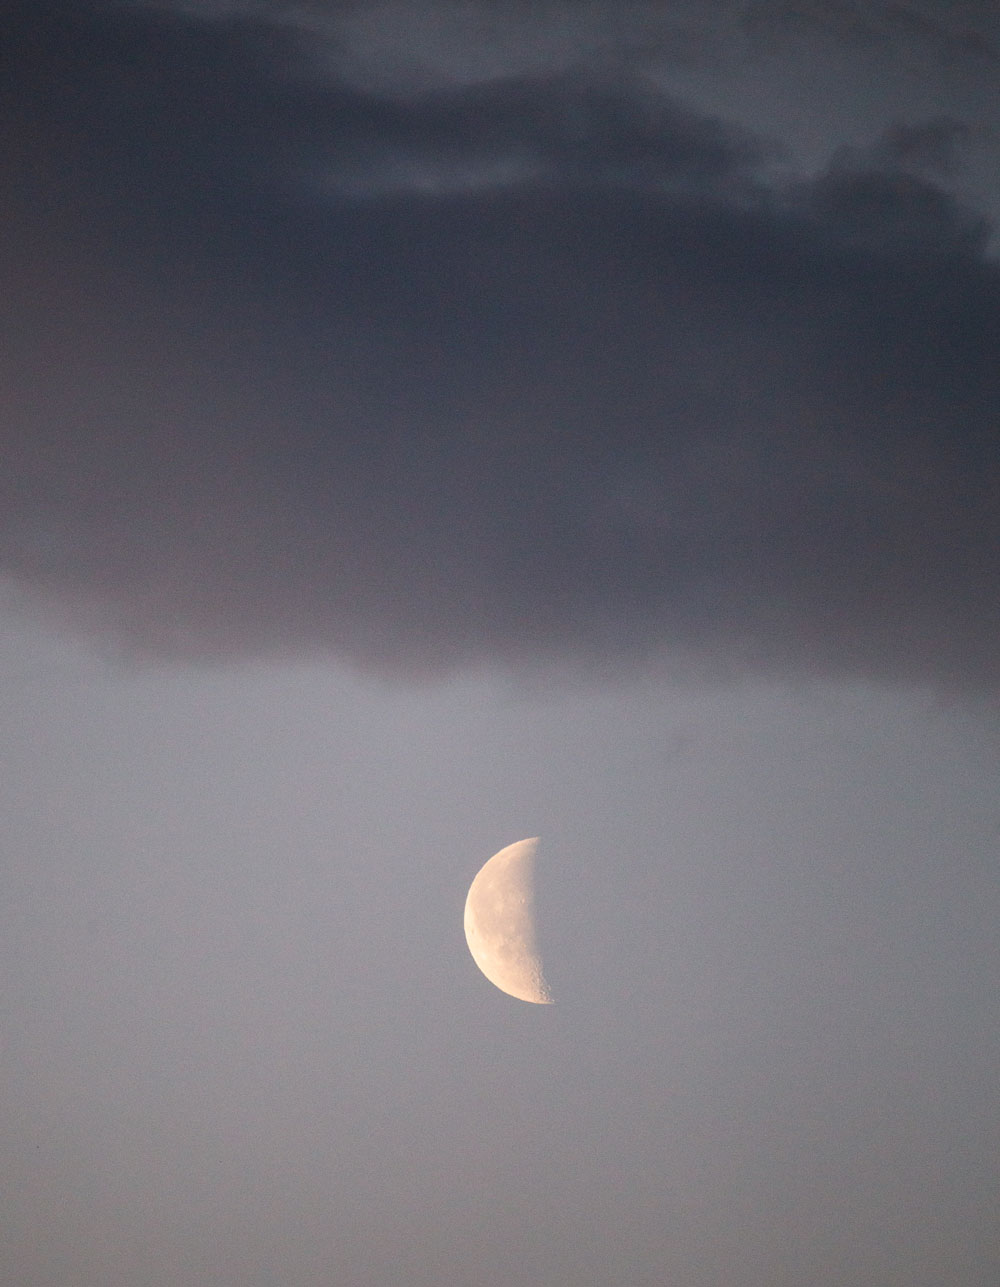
x,y
500,923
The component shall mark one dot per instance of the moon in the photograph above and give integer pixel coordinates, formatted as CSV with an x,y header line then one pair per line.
x,y
500,923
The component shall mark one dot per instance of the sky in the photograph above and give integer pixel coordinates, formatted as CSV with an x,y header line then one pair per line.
x,y
431,425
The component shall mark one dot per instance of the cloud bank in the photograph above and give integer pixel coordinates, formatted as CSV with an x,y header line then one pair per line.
x,y
545,368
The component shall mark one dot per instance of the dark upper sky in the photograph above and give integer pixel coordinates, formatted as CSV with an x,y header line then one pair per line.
x,y
429,339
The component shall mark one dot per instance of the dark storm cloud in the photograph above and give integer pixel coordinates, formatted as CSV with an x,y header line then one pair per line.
x,y
538,369
949,30
884,203
930,148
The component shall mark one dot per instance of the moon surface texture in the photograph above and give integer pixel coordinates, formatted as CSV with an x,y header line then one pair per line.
x,y
500,923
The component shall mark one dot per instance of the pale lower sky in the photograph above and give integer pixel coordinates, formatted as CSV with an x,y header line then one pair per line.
x,y
245,1043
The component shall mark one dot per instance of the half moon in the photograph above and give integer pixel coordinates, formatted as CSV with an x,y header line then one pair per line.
x,y
500,923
